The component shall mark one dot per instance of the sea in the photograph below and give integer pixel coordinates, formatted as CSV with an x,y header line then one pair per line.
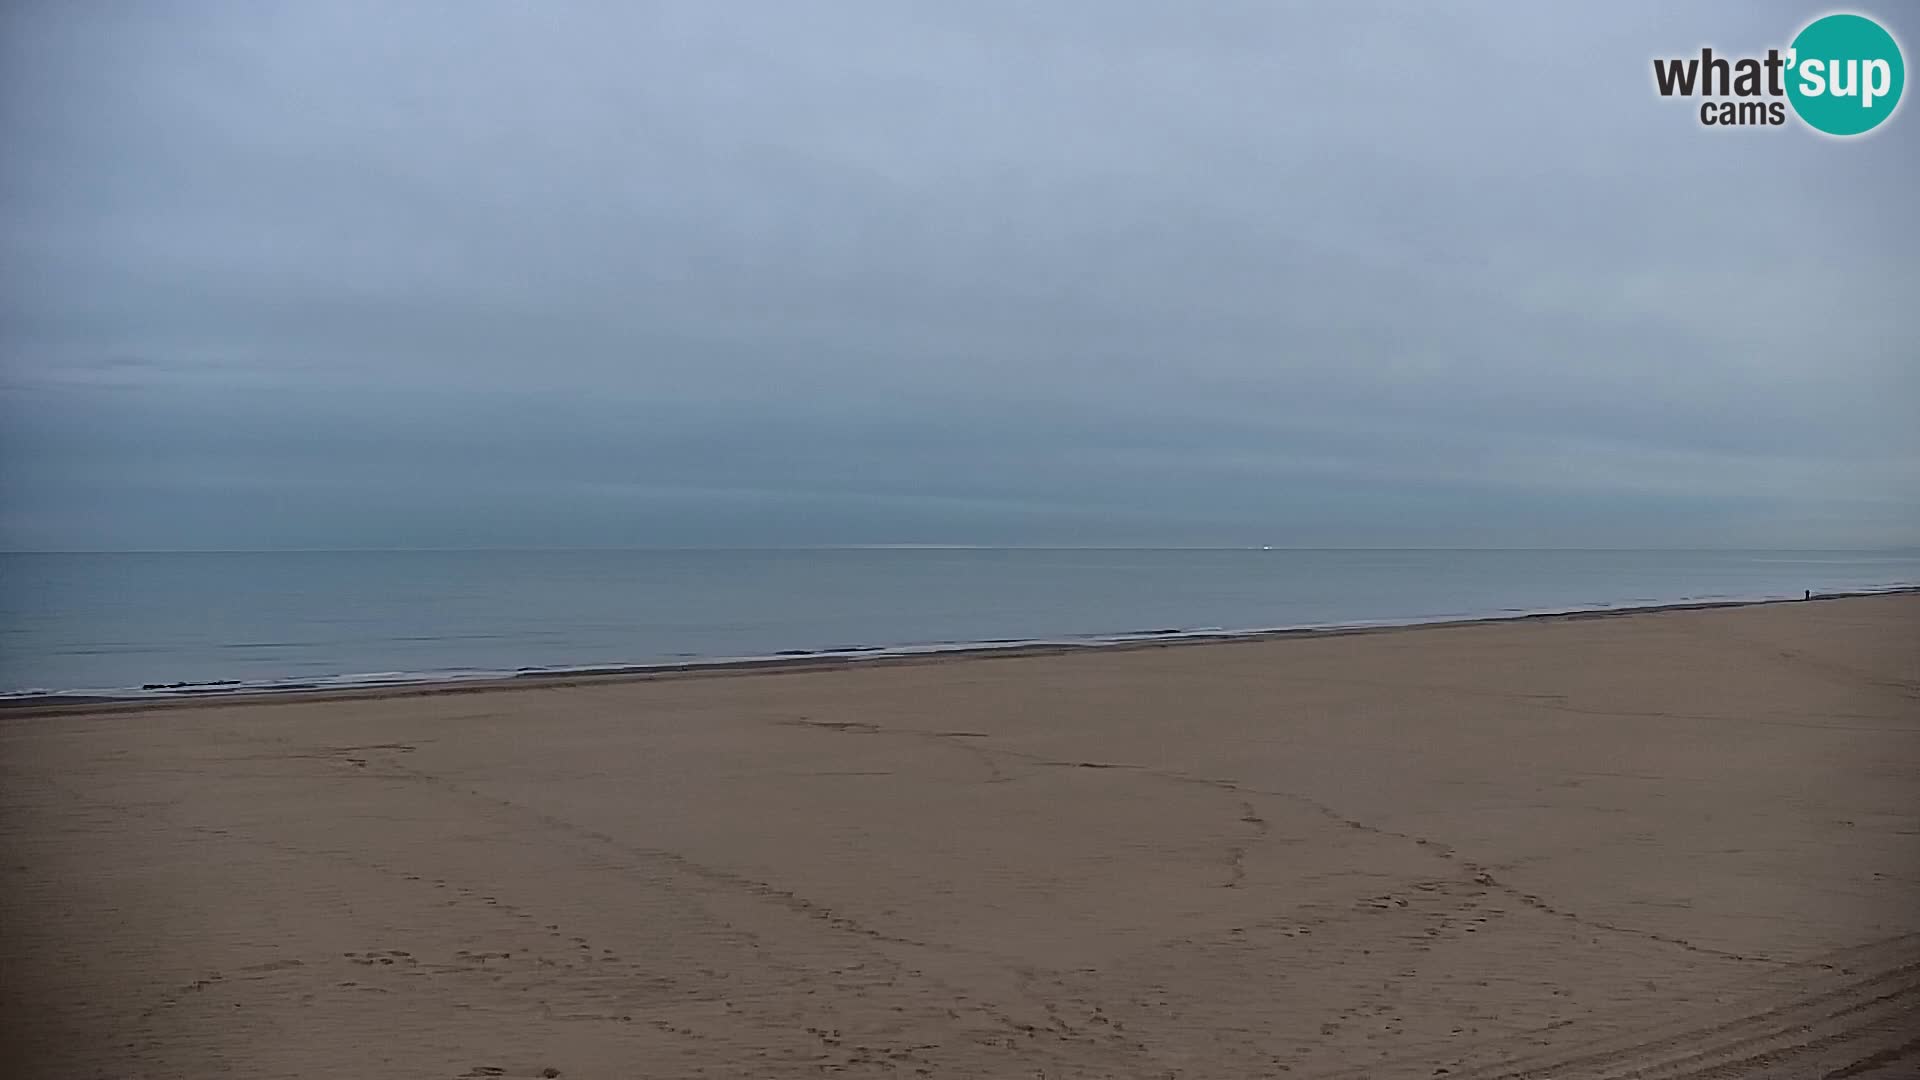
x,y
154,624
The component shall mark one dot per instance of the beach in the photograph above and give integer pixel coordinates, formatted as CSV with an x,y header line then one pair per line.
x,y
1678,844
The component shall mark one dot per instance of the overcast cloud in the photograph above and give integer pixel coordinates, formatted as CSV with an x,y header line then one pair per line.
x,y
1074,272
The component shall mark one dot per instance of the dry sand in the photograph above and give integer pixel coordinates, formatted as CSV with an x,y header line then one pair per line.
x,y
1665,845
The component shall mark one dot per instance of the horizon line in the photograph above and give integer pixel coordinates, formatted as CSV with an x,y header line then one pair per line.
x,y
939,547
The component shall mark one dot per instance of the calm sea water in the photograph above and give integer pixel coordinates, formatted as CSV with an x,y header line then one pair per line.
x,y
121,621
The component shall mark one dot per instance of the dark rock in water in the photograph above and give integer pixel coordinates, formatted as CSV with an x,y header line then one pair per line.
x,y
188,685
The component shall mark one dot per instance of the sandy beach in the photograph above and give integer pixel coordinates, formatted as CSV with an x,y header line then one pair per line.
x,y
1676,844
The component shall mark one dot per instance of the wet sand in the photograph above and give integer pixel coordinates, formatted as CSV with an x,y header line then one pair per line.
x,y
1677,844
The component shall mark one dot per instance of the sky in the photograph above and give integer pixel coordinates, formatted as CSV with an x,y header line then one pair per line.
x,y
1084,272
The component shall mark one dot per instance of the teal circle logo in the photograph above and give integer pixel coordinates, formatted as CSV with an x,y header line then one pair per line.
x,y
1845,74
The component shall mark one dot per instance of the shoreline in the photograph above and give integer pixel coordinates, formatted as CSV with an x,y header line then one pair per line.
x,y
25,706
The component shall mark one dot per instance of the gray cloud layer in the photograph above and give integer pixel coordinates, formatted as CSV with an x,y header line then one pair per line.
x,y
318,275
